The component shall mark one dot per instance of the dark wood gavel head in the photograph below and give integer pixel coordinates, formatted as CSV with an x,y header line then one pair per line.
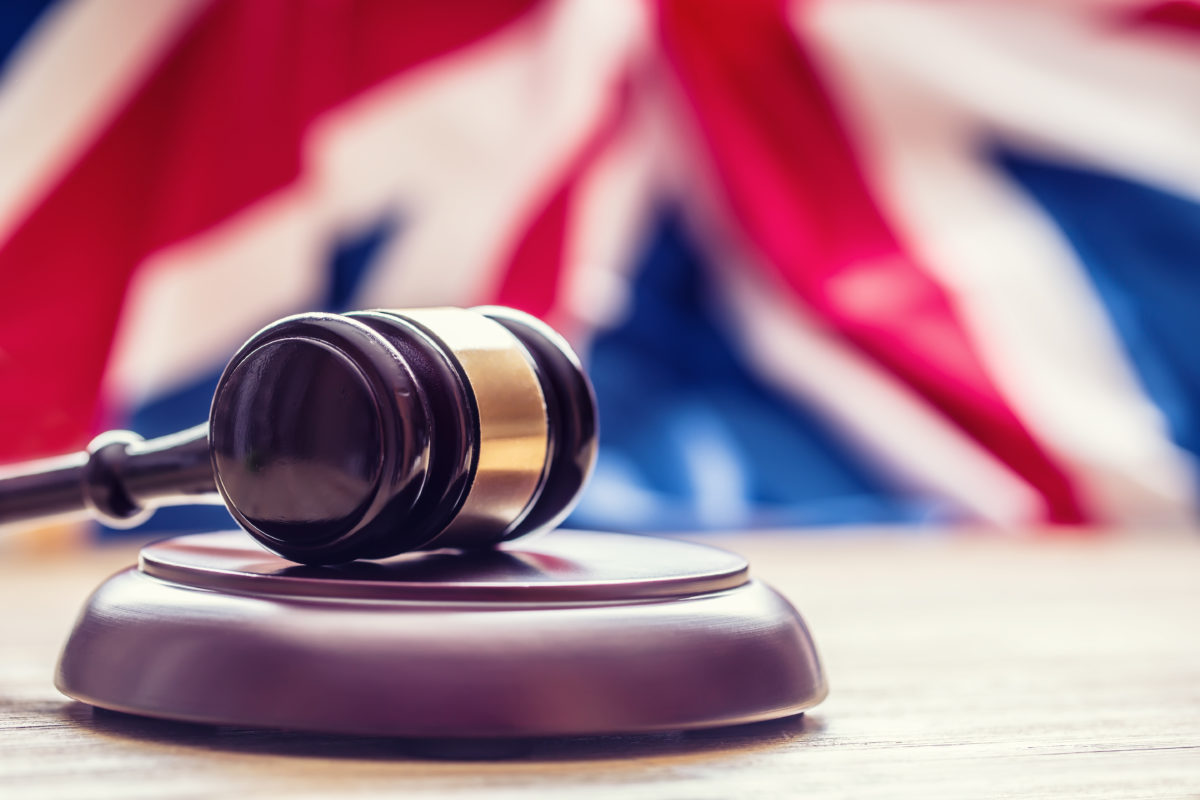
x,y
334,437
368,434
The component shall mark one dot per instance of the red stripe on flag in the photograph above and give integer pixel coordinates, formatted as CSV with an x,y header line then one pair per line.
x,y
531,276
1180,15
794,186
217,126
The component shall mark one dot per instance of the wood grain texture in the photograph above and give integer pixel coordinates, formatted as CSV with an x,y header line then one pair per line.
x,y
960,667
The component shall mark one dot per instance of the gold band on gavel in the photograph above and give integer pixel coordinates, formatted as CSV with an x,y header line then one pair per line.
x,y
513,427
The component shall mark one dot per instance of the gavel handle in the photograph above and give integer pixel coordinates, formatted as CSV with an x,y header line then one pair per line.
x,y
120,479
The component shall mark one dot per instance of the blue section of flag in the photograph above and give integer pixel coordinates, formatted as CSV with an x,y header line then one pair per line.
x,y
349,263
1139,246
352,259
17,17
691,438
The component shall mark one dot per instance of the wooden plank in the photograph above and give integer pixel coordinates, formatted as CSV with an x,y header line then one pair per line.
x,y
960,666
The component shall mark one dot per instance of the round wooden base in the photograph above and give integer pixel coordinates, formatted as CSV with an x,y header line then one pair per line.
x,y
575,633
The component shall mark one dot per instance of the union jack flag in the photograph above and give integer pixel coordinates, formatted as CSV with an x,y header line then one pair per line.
x,y
827,262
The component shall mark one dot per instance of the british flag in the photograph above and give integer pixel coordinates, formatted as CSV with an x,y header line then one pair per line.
x,y
827,262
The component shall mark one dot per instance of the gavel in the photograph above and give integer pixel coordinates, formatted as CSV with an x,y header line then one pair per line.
x,y
335,437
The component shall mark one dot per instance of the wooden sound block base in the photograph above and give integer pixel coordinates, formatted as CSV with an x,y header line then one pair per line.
x,y
571,634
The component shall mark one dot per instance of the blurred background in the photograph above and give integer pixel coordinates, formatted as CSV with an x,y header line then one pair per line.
x,y
829,263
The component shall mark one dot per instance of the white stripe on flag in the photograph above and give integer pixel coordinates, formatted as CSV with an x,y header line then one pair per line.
x,y
478,148
608,222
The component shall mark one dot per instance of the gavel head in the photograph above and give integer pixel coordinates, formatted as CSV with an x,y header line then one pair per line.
x,y
364,435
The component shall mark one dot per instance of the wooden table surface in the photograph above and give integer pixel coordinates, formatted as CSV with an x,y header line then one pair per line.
x,y
960,667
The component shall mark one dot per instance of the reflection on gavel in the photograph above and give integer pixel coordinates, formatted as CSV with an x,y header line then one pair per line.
x,y
363,435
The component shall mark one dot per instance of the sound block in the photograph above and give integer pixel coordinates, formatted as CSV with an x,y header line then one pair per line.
x,y
574,633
